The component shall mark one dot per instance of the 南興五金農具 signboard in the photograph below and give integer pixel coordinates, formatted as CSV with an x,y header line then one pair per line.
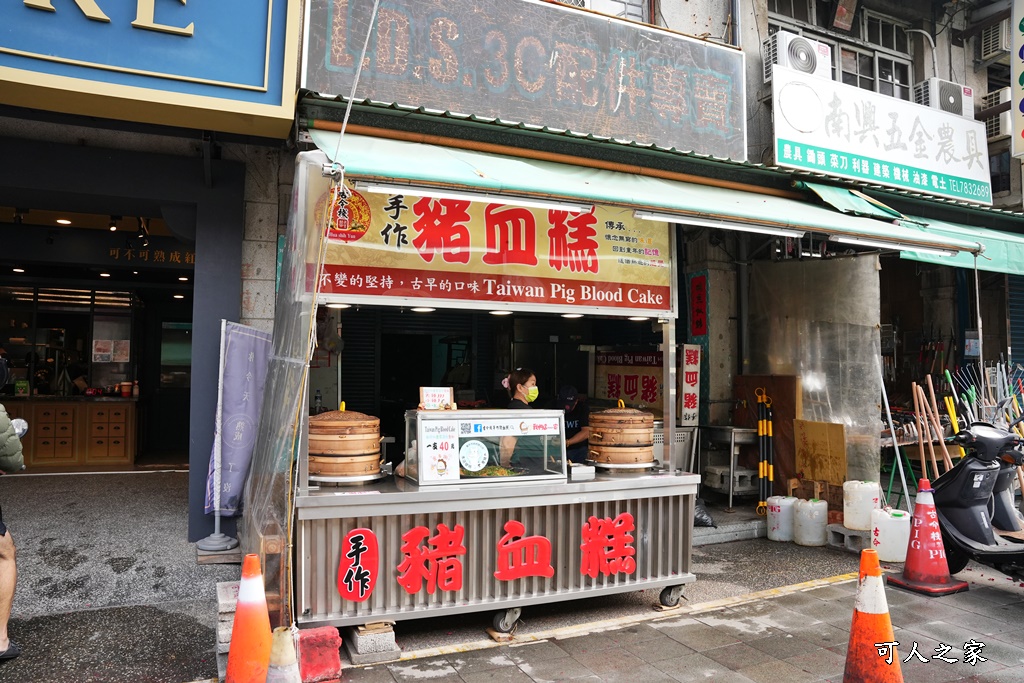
x,y
400,247
842,130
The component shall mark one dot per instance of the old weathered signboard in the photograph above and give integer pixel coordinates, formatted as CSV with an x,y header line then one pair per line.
x,y
535,63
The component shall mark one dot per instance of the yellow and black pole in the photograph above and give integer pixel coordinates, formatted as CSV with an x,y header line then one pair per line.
x,y
770,438
762,451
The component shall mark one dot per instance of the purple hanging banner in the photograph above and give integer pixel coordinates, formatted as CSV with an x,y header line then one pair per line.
x,y
244,355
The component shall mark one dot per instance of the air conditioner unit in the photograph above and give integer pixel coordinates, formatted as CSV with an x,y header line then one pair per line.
x,y
998,126
796,52
995,40
945,95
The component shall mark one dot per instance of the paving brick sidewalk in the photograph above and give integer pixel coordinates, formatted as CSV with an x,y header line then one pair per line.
x,y
797,637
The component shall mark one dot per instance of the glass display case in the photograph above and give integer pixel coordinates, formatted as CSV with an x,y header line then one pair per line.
x,y
484,446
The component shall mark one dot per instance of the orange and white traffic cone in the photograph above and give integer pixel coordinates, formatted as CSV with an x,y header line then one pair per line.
x,y
249,652
871,657
925,570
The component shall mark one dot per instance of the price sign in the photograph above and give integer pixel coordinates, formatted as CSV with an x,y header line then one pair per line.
x,y
439,451
436,398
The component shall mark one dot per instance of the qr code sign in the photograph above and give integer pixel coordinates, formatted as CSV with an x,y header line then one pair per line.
x,y
465,428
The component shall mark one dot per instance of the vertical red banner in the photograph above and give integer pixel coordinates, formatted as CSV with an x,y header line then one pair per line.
x,y
359,565
698,305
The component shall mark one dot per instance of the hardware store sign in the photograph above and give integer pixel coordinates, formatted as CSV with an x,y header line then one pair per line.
x,y
403,247
540,64
841,130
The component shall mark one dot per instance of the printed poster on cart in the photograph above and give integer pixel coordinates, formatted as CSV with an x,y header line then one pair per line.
x,y
400,247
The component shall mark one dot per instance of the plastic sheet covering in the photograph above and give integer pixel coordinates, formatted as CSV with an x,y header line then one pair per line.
x,y
265,527
818,320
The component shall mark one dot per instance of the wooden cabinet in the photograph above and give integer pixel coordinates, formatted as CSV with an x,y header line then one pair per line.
x,y
108,433
78,434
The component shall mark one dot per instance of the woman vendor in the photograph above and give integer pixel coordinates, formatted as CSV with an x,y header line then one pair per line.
x,y
522,451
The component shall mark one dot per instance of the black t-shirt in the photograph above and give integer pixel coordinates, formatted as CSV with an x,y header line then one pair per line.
x,y
529,450
574,422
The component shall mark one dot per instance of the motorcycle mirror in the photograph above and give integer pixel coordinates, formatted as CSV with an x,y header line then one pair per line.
x,y
1019,419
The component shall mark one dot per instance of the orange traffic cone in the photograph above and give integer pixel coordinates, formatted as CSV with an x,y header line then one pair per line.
x,y
925,570
871,657
249,652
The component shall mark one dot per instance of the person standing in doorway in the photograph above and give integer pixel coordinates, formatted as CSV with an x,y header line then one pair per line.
x,y
577,423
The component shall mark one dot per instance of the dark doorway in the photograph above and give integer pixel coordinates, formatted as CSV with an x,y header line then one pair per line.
x,y
405,366
167,381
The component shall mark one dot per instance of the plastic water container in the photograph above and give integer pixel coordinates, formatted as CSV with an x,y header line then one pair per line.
x,y
811,525
890,534
859,499
780,517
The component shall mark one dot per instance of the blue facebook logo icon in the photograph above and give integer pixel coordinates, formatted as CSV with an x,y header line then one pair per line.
x,y
478,428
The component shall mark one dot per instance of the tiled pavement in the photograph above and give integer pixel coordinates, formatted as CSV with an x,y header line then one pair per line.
x,y
800,636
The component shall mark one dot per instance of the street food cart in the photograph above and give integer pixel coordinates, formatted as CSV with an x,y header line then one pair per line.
x,y
458,533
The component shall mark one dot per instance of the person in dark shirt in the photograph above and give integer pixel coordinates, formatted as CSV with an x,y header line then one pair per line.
x,y
522,451
577,424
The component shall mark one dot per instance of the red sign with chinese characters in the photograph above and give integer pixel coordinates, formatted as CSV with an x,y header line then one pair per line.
x,y
359,565
405,247
436,564
636,378
698,305
433,560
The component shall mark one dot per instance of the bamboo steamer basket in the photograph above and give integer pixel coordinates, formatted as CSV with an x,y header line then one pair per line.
x,y
344,443
622,436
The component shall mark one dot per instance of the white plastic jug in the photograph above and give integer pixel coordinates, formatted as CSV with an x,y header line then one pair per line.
x,y
811,527
859,499
780,517
890,534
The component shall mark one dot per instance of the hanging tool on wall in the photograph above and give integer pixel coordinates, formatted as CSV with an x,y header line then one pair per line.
x,y
762,451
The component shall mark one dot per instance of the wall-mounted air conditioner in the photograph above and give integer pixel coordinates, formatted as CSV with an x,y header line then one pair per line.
x,y
1000,125
799,53
995,40
945,95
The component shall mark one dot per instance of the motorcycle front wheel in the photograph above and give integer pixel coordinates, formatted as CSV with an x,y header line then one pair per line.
x,y
956,559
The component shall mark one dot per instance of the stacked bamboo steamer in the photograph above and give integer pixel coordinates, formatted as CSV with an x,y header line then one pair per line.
x,y
344,443
622,437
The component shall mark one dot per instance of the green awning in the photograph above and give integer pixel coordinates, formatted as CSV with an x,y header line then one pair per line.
x,y
1003,251
423,165
850,201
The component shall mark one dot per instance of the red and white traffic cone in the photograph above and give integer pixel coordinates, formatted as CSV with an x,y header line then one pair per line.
x,y
925,570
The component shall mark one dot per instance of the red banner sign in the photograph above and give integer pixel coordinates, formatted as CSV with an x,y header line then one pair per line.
x,y
698,305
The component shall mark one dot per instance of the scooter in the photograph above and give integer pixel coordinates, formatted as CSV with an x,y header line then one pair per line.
x,y
974,501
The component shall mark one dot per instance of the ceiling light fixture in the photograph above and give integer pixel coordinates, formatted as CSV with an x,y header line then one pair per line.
x,y
899,246
179,296
572,315
19,270
502,312
64,221
720,224
339,306
104,274
638,318
438,193
183,279
113,223
422,309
